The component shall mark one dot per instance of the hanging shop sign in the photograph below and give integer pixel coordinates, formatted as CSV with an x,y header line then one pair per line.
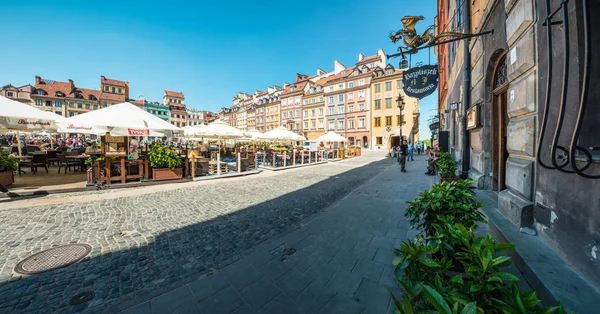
x,y
420,82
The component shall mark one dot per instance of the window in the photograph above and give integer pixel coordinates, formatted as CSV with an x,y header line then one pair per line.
x,y
79,105
377,104
71,114
341,97
284,102
388,121
361,94
314,125
341,86
399,84
388,86
106,88
378,88
95,107
341,125
351,96
9,94
361,107
388,103
39,92
378,121
172,115
320,111
350,84
39,102
306,124
290,114
351,124
88,106
58,113
371,65
321,124
314,100
105,104
297,99
331,88
320,99
350,108
341,109
379,140
313,112
390,72
120,91
114,89
331,110
179,101
306,113
331,99
361,123
331,125
306,101
57,104
297,113
361,82
112,103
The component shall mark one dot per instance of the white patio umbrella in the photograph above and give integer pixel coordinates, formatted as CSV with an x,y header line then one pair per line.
x,y
21,117
219,130
192,131
122,119
331,137
254,134
281,133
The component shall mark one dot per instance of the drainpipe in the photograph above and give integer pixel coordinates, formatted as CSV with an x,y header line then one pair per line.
x,y
466,154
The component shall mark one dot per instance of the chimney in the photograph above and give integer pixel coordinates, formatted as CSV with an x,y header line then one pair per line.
x,y
298,77
338,67
360,57
382,56
38,80
320,71
71,85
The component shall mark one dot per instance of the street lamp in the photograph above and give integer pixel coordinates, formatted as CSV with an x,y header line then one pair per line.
x,y
400,103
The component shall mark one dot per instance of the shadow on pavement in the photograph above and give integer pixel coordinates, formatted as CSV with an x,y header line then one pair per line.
x,y
129,276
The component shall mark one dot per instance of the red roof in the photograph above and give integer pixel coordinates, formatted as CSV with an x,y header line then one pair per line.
x,y
104,80
51,87
370,58
299,87
174,94
112,97
182,106
85,93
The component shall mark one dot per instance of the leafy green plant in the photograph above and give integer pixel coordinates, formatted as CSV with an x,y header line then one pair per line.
x,y
446,165
8,162
445,203
161,157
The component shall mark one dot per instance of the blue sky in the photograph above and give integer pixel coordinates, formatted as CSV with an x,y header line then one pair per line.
x,y
210,50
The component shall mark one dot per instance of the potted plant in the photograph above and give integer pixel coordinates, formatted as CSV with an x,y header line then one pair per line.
x,y
165,163
8,164
447,167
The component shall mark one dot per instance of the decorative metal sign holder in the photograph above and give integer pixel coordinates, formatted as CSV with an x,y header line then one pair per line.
x,y
561,157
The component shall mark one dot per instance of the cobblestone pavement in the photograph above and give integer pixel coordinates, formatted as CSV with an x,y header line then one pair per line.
x,y
340,261
147,243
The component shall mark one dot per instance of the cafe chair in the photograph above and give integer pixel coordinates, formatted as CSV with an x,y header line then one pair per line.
x,y
64,162
37,160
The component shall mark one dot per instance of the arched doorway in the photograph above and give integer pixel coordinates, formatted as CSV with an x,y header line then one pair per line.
x,y
499,123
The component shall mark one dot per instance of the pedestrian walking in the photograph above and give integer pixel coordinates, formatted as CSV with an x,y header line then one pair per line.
x,y
410,152
402,156
418,147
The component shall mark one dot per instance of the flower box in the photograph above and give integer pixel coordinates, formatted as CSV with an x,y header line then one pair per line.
x,y
7,177
167,174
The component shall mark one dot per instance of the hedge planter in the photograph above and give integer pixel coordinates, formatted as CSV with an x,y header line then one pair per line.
x,y
7,178
167,174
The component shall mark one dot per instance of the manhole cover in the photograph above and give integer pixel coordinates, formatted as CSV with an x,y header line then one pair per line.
x,y
53,258
82,297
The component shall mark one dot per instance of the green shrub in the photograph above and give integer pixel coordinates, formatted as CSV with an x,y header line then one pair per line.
x,y
161,157
8,162
446,165
445,203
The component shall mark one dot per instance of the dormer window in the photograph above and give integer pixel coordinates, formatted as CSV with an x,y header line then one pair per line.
x,y
312,89
91,97
371,65
293,88
356,72
319,88
40,92
390,72
60,94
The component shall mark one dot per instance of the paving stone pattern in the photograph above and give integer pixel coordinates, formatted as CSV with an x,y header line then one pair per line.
x,y
146,245
342,262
